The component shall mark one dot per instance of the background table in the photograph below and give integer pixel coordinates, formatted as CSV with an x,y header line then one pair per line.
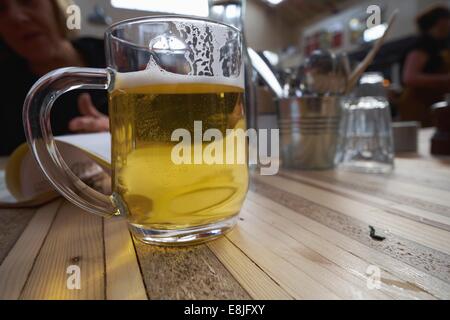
x,y
301,235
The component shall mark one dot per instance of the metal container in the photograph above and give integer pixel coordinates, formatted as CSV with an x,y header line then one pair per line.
x,y
309,131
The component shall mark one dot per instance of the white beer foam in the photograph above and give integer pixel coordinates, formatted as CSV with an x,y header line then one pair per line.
x,y
125,80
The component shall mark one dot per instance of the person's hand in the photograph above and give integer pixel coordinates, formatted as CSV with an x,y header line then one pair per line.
x,y
91,120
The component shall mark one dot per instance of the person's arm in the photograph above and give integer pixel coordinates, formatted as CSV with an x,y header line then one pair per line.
x,y
414,76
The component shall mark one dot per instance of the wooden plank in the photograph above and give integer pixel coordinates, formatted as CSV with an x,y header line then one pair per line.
x,y
12,223
123,276
399,269
386,185
432,166
318,267
18,263
75,239
422,177
429,236
405,210
433,262
252,278
325,252
186,273
292,279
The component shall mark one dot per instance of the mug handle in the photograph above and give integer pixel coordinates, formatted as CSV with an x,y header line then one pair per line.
x,y
36,120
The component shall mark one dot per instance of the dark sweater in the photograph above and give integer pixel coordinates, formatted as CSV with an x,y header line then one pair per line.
x,y
433,49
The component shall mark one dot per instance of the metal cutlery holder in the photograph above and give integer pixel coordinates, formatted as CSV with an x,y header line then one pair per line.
x,y
309,128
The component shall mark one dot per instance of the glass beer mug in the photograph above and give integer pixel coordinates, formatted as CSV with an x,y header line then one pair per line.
x,y
175,89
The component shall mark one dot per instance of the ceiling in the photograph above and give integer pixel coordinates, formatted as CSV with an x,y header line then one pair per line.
x,y
301,12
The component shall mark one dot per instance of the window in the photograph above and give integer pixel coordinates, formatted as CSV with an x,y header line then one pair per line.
x,y
188,7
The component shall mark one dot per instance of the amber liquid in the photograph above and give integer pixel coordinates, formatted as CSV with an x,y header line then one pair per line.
x,y
156,192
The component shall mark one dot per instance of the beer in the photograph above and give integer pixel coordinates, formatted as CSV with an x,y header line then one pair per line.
x,y
158,193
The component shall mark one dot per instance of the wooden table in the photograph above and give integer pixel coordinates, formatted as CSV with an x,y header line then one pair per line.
x,y
301,235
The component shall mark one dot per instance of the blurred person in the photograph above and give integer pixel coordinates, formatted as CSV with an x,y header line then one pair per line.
x,y
34,40
426,72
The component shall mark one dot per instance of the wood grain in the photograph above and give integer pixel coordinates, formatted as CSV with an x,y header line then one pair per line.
x,y
367,191
12,221
12,224
252,278
427,235
422,197
75,239
186,273
327,254
290,277
429,260
18,263
123,276
408,274
340,281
